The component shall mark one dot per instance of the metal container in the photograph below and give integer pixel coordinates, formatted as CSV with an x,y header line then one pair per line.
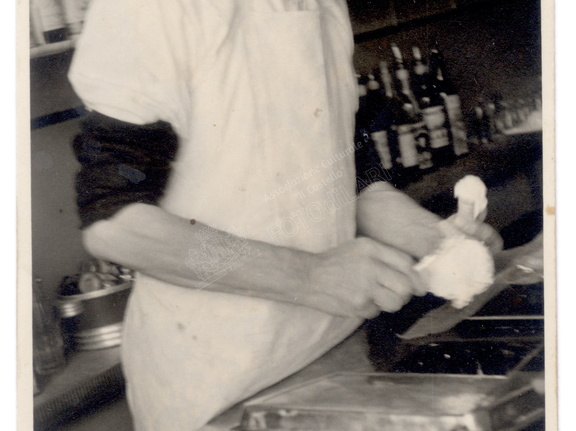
x,y
398,402
93,320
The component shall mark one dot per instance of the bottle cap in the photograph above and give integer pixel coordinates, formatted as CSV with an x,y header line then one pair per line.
x,y
372,83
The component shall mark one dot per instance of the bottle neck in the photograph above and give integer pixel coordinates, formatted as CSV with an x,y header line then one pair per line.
x,y
401,73
386,80
442,82
420,68
400,70
397,54
404,82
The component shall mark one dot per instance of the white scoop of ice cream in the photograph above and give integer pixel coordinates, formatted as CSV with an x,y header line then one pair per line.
x,y
461,267
458,270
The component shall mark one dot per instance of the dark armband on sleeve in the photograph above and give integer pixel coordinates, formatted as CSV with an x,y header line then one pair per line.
x,y
369,170
121,163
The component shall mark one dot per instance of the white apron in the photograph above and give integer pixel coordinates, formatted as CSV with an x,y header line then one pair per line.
x,y
266,128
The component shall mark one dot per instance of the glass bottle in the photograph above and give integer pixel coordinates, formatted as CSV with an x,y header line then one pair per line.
x,y
433,111
48,345
445,87
413,138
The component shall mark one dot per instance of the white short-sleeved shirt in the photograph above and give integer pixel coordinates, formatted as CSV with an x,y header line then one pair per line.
x,y
262,95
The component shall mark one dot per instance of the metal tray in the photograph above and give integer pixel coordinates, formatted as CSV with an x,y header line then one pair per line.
x,y
397,402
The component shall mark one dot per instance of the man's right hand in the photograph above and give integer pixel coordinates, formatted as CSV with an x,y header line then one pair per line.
x,y
362,277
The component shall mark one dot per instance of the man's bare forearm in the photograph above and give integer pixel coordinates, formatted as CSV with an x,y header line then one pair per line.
x,y
390,216
150,240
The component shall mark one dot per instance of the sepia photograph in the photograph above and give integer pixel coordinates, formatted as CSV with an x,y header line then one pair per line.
x,y
311,215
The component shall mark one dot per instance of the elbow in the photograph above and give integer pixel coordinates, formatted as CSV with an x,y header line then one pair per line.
x,y
123,238
98,240
109,238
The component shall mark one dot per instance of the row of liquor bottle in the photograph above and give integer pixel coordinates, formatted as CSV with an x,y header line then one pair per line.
x,y
412,113
54,21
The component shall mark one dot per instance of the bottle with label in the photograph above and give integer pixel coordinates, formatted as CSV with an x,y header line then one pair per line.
x,y
413,138
380,121
394,115
370,116
499,114
491,111
445,87
481,124
433,111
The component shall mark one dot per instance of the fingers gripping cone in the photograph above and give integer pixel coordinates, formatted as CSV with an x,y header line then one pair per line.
x,y
461,267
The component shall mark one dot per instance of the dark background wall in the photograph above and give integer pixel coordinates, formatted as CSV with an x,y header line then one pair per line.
x,y
490,47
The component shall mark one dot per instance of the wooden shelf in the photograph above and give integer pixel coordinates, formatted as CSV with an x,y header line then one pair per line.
x,y
53,48
371,20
